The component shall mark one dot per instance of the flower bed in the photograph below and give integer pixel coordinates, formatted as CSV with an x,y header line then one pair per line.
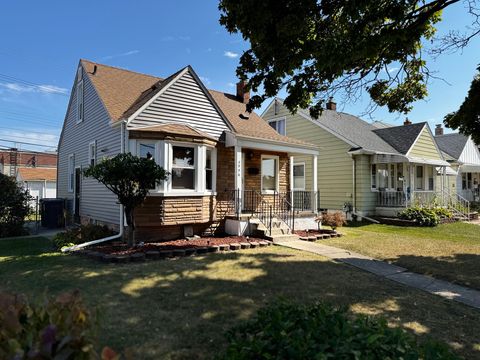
x,y
315,234
119,252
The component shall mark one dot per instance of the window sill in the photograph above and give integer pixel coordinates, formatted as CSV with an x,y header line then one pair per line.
x,y
182,193
269,192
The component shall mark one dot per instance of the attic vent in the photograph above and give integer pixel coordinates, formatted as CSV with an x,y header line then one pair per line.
x,y
245,115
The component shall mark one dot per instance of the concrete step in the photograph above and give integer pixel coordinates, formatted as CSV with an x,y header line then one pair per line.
x,y
282,238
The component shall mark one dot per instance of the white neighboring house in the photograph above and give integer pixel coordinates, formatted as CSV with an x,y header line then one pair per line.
x,y
464,156
40,182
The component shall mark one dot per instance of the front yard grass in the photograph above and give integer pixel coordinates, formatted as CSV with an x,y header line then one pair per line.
x,y
181,309
449,251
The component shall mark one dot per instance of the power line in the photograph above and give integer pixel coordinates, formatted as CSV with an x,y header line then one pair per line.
x,y
26,143
29,131
32,85
16,113
39,122
26,137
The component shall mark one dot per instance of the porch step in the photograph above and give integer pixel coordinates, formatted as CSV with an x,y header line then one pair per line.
x,y
282,238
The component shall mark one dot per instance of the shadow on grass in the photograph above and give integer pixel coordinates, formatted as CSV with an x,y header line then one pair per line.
x,y
181,308
461,269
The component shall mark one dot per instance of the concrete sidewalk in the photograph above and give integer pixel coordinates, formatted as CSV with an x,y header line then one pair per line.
x,y
392,272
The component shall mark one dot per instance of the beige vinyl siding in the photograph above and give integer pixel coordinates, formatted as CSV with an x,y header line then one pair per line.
x,y
184,102
365,197
334,164
96,200
425,147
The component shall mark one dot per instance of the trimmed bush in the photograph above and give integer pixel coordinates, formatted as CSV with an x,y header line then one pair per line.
x,y
80,235
425,216
289,331
56,328
14,207
332,219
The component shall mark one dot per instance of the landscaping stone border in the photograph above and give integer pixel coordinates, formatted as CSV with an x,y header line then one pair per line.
x,y
320,236
164,254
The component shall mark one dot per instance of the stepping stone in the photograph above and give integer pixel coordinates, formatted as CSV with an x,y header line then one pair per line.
x,y
263,243
245,245
137,257
327,236
163,254
202,250
235,246
152,255
190,251
224,247
96,255
312,238
108,258
304,238
213,248
254,244
339,234
121,259
179,252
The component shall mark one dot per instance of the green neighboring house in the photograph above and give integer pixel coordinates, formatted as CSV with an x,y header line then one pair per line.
x,y
374,169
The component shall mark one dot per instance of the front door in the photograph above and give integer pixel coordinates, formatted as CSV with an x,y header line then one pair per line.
x,y
77,190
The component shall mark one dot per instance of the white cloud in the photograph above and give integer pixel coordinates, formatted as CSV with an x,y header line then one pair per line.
x,y
205,80
128,53
44,89
230,84
231,54
29,136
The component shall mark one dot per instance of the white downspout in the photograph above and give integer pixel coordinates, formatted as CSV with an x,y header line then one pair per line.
x,y
122,216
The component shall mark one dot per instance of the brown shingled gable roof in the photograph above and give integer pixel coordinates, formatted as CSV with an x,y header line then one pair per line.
x,y
30,174
123,92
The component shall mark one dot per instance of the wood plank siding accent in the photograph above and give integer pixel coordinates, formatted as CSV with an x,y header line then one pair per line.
x,y
184,102
96,200
425,147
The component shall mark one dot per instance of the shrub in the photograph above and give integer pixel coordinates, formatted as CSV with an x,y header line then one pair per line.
x,y
56,328
443,213
14,207
423,216
334,219
319,331
81,234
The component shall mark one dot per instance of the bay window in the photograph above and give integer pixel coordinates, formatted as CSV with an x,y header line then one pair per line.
x,y
209,169
183,167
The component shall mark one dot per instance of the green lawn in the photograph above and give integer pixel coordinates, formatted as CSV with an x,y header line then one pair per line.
x,y
180,309
449,251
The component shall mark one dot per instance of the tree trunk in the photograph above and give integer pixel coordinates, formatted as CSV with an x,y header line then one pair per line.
x,y
131,226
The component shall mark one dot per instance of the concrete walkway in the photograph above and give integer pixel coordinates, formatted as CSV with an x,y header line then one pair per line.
x,y
392,272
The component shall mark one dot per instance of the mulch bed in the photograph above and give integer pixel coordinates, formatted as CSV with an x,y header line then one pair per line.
x,y
315,234
118,252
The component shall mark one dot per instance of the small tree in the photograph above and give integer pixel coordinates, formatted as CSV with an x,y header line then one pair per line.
x,y
130,178
14,207
334,220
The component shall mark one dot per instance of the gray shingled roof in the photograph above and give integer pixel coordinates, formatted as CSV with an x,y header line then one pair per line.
x,y
353,129
401,137
452,144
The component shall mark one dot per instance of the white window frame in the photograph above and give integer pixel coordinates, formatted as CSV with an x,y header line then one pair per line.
x,y
392,181
424,185
92,153
71,172
155,155
195,167
276,120
304,176
80,104
213,168
277,173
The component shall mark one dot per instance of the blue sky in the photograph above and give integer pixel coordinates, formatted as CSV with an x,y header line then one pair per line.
x,y
42,42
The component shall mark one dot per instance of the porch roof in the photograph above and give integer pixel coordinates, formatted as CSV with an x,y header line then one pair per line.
x,y
470,168
397,158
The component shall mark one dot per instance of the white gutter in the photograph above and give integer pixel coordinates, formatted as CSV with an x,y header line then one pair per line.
x,y
121,230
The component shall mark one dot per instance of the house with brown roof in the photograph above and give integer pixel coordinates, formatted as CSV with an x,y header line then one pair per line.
x,y
229,169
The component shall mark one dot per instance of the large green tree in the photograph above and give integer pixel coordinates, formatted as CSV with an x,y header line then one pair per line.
x,y
321,48
130,178
467,118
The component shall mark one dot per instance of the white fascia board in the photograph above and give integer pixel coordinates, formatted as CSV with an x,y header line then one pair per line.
x,y
268,107
275,146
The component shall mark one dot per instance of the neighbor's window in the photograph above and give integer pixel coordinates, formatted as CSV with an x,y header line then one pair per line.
x,y
269,174
382,172
431,181
278,125
92,153
183,167
374,176
208,170
400,178
419,183
71,171
299,177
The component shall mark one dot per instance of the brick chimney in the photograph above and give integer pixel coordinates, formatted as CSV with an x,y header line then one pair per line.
x,y
242,93
331,105
438,130
407,122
